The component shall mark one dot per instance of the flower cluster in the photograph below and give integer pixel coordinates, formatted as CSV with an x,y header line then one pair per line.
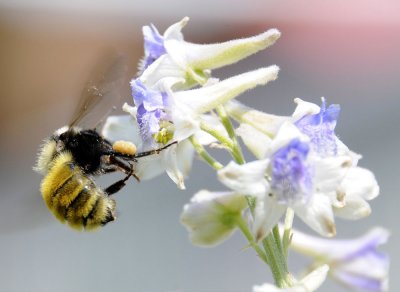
x,y
300,166
175,93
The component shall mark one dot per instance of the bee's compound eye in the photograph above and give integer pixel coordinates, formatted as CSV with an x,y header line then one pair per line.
x,y
71,166
125,147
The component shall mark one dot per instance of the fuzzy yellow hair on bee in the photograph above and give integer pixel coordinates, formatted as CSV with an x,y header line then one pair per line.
x,y
74,198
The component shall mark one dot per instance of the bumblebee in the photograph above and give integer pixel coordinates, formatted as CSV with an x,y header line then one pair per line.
x,y
71,157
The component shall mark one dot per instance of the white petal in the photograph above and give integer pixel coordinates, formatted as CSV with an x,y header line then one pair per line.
x,y
354,208
186,122
342,149
211,56
317,213
185,154
314,246
132,110
149,167
174,31
337,249
315,279
257,142
161,68
287,132
263,122
247,179
205,216
266,287
309,283
122,128
304,108
175,160
178,162
266,215
172,169
207,98
377,266
360,182
330,172
355,157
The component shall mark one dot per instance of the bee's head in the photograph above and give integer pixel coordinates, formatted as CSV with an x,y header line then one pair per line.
x,y
61,138
49,149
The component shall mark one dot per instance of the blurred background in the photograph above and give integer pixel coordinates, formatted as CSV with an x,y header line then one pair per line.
x,y
347,51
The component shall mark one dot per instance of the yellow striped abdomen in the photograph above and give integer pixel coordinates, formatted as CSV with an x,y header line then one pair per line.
x,y
73,197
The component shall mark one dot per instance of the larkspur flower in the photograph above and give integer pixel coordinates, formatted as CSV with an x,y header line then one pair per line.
x,y
170,55
164,111
309,283
356,263
211,217
290,175
349,198
359,185
302,164
163,115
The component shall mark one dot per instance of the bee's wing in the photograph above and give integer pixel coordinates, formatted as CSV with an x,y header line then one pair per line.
x,y
103,86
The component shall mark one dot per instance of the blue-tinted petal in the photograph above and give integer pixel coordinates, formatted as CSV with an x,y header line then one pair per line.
x,y
359,282
153,45
320,129
150,99
291,176
152,107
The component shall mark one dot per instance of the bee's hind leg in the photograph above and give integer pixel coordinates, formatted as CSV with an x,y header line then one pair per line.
x,y
116,164
115,187
121,166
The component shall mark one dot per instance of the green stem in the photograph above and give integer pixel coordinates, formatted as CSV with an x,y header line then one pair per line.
x,y
277,237
251,201
275,251
204,154
277,262
242,225
216,134
236,149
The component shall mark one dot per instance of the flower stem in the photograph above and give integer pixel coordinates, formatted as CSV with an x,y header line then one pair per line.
x,y
242,225
235,150
275,251
216,134
277,237
277,262
204,154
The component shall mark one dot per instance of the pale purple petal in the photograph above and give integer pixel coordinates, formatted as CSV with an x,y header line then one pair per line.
x,y
357,263
150,110
153,45
359,282
320,128
291,176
